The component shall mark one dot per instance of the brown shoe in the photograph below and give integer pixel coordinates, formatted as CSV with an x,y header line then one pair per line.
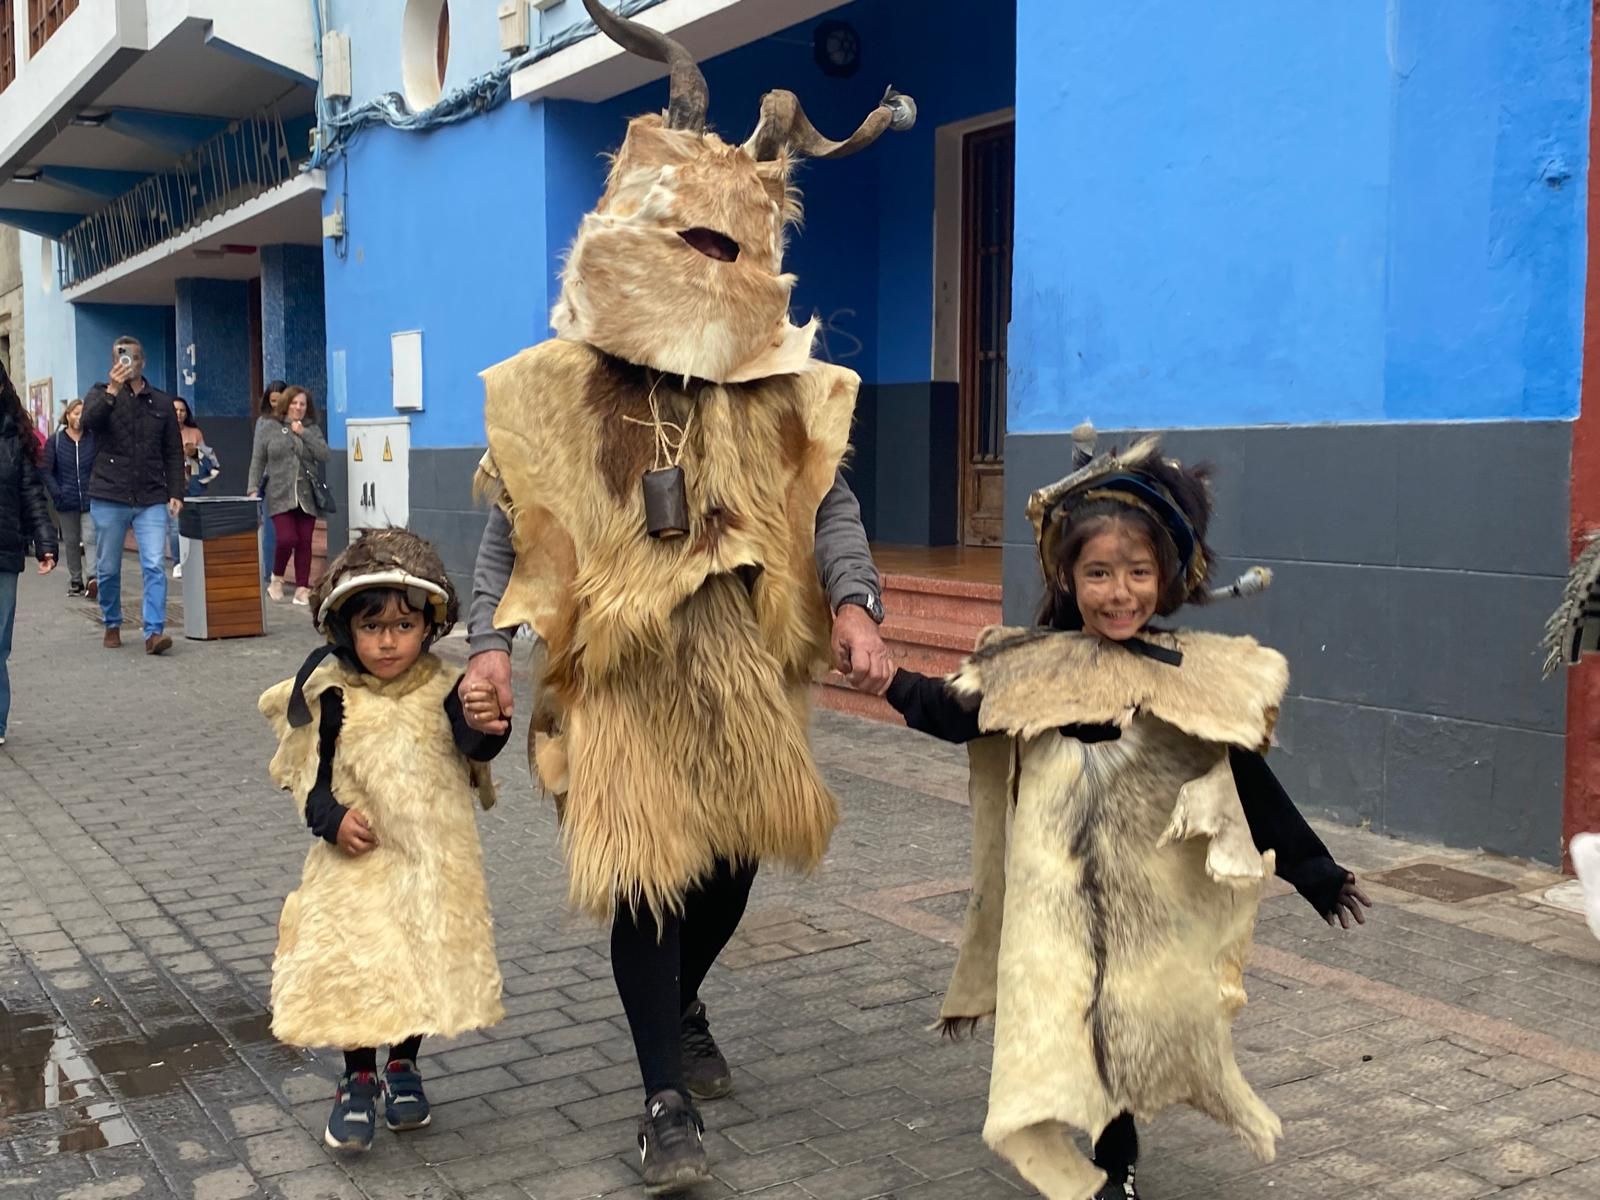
x,y
157,643
92,588
113,639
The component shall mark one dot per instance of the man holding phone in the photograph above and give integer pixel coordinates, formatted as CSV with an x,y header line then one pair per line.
x,y
137,482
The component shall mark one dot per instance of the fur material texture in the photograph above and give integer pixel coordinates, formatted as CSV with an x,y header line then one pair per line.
x,y
1574,628
636,289
673,701
397,942
1115,888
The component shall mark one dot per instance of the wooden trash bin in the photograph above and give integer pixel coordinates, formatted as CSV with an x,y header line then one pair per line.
x,y
222,592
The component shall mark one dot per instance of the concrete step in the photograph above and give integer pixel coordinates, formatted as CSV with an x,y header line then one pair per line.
x,y
928,646
956,602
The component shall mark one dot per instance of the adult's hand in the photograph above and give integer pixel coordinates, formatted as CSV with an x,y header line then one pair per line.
x,y
119,376
47,564
174,507
253,494
492,668
859,652
296,427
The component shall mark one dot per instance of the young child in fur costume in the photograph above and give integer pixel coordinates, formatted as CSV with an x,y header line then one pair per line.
x,y
1107,933
388,937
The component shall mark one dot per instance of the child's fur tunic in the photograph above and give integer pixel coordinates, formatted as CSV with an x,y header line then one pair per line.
x,y
674,699
399,941
1108,928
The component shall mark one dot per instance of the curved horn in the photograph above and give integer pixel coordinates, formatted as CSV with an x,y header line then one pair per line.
x,y
784,126
690,97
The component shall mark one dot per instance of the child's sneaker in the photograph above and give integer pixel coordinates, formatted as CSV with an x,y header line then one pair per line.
x,y
705,1071
672,1153
355,1112
1119,1191
405,1105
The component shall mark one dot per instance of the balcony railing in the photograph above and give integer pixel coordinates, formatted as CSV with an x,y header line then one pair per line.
x,y
44,18
248,158
8,43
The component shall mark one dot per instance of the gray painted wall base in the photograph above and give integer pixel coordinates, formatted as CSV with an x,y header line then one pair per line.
x,y
1414,568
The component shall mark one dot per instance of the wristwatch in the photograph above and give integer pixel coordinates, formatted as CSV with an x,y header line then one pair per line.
x,y
868,601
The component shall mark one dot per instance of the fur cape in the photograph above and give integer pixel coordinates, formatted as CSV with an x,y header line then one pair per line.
x,y
1115,888
398,942
670,713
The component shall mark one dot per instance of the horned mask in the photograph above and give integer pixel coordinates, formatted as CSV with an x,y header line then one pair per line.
x,y
680,267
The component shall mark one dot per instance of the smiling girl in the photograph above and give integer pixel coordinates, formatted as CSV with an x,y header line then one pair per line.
x,y
388,937
1125,822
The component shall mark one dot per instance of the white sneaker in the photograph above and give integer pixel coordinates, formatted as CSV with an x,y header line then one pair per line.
x,y
1585,850
177,570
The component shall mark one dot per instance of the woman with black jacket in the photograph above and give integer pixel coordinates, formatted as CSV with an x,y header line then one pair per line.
x,y
68,465
24,517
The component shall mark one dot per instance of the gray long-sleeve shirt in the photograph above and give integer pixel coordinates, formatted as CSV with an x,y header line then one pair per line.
x,y
844,564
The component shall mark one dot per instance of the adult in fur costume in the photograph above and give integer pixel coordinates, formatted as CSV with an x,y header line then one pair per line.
x,y
1124,824
389,937
1572,633
660,465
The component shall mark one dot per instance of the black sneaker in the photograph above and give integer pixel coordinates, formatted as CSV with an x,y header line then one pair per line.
x,y
1123,1190
705,1071
355,1112
672,1153
75,588
405,1105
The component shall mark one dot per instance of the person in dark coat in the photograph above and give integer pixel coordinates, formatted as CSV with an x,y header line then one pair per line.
x,y
137,482
24,518
68,464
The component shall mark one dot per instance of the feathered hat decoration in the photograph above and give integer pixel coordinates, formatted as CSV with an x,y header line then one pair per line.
x,y
1573,630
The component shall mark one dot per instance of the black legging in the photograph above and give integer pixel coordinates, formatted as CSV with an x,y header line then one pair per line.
x,y
659,970
1117,1148
367,1059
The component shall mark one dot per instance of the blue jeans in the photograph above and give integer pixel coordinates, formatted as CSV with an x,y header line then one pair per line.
x,y
8,617
149,524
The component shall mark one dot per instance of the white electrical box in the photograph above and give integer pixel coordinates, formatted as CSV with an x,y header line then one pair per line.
x,y
515,36
336,66
378,458
405,367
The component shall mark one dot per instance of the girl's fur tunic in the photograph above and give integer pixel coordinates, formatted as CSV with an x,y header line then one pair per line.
x,y
1115,888
399,941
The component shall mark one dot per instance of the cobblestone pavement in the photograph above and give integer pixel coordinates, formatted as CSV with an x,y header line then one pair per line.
x,y
1447,1050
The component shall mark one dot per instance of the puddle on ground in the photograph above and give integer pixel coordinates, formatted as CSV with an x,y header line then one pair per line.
x,y
44,1069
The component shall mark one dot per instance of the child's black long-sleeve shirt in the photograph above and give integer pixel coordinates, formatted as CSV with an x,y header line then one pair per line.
x,y
324,814
929,706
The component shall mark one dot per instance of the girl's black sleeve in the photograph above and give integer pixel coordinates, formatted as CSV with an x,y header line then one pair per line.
x,y
929,706
1276,825
324,814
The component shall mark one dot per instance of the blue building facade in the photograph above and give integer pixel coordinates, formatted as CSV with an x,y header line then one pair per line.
x,y
1337,250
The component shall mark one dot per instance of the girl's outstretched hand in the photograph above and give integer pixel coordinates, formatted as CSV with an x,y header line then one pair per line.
x,y
355,835
1348,907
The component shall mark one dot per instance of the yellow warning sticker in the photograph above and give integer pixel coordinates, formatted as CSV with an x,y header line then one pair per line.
x,y
358,450
388,454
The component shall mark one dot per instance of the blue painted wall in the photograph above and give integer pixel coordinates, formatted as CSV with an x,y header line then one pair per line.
x,y
1265,213
460,232
99,325
293,321
214,353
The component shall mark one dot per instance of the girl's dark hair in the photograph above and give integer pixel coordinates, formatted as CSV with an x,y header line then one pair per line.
x,y
188,413
1189,488
11,406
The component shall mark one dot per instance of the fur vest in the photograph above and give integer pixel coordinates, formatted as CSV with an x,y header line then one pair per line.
x,y
671,713
1108,926
398,942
